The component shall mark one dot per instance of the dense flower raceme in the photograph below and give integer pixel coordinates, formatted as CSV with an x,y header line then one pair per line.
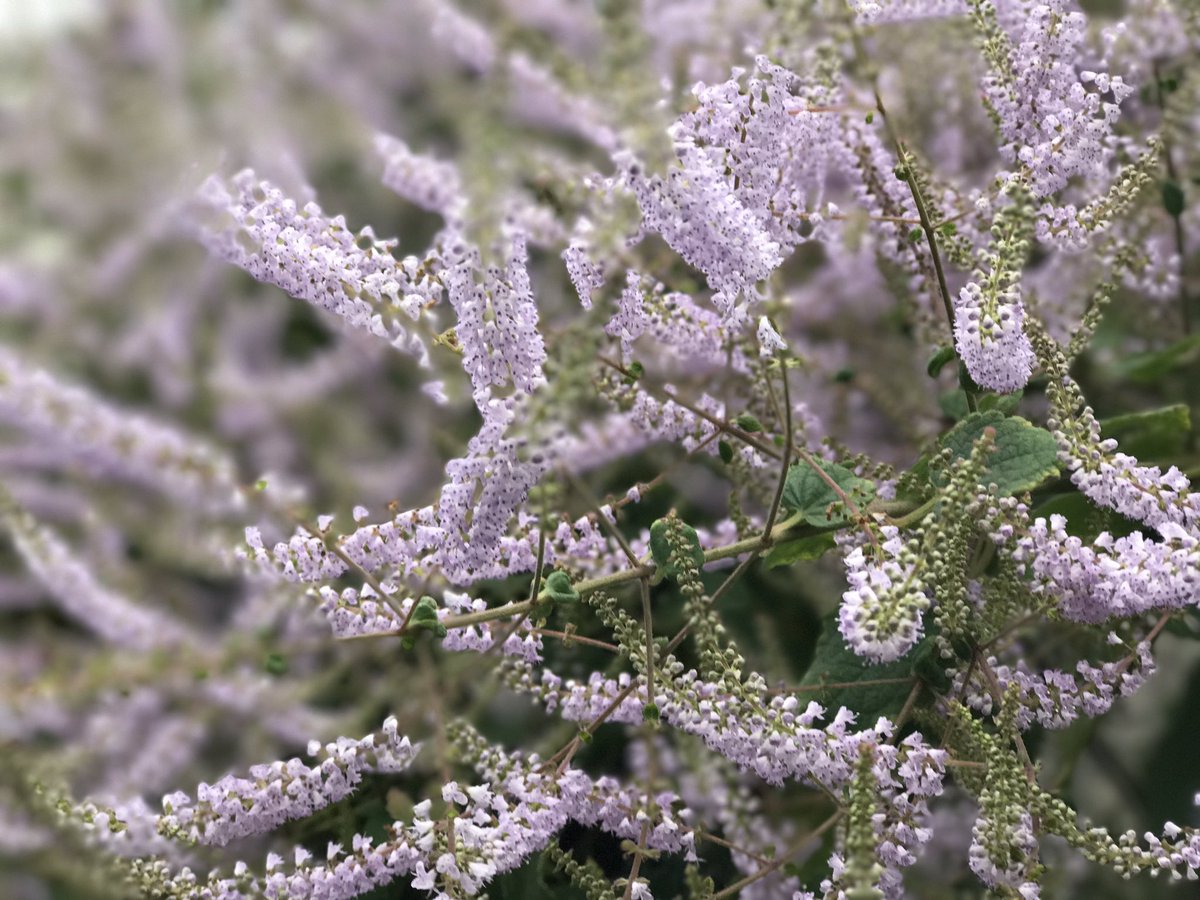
x,y
71,425
233,808
114,618
989,316
1111,577
1054,699
429,183
881,614
1117,480
318,259
1056,121
776,742
497,826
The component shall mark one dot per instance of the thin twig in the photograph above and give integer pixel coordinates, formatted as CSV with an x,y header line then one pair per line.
x,y
637,860
787,456
576,639
926,225
780,861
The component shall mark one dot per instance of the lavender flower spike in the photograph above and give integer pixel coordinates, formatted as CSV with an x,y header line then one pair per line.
x,y
235,808
990,340
881,614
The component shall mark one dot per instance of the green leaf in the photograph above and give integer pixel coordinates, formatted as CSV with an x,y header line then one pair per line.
x,y
1153,434
660,547
837,665
1084,519
1024,457
1172,198
748,423
938,361
965,381
954,403
807,493
275,664
424,616
810,547
1150,367
726,452
1005,403
558,587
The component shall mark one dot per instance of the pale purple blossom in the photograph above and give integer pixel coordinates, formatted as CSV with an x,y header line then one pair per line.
x,y
1055,121
234,808
990,339
318,259
881,614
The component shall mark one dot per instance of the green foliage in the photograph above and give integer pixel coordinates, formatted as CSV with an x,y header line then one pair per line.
x,y
1172,198
424,618
954,403
837,665
1150,367
812,546
558,588
809,493
1084,519
1024,456
939,359
748,423
660,547
1153,434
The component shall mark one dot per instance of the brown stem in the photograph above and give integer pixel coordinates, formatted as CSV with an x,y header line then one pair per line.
x,y
926,225
781,860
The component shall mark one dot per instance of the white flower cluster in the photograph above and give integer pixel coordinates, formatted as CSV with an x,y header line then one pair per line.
x,y
989,338
72,423
234,808
318,259
1056,121
1054,699
881,614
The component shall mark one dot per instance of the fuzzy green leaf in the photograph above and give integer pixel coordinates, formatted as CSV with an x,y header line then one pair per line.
x,y
558,588
1024,457
954,403
837,665
807,493
1172,197
1153,434
1150,367
424,616
811,547
660,547
748,423
938,361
